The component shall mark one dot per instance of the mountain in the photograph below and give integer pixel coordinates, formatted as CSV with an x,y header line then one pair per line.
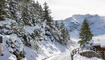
x,y
96,22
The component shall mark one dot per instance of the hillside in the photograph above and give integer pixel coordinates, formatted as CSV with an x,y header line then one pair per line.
x,y
29,32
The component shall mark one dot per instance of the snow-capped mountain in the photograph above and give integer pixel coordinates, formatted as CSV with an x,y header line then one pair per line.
x,y
73,24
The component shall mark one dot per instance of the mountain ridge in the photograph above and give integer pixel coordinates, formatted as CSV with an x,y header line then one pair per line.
x,y
96,22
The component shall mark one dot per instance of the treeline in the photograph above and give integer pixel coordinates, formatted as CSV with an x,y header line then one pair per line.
x,y
31,13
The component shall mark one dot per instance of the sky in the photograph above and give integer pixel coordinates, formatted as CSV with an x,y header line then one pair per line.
x,y
62,9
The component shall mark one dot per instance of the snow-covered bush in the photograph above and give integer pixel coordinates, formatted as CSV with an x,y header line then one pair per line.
x,y
15,46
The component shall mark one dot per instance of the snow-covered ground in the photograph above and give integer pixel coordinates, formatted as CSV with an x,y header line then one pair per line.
x,y
73,24
6,54
53,50
99,41
62,56
67,56
78,57
48,49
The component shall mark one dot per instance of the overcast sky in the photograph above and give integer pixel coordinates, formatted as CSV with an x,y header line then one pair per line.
x,y
62,9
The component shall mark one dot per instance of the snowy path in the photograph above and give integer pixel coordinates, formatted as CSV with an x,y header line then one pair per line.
x,y
66,56
60,57
63,56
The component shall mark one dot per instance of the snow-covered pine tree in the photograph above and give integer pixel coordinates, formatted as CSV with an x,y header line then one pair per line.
x,y
15,46
46,14
51,30
36,13
4,12
64,34
25,13
56,24
85,34
48,21
34,17
15,8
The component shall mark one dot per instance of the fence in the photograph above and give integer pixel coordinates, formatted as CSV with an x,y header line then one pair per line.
x,y
89,52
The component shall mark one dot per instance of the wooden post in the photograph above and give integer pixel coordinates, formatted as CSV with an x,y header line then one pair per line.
x,y
72,54
104,54
0,49
71,57
0,45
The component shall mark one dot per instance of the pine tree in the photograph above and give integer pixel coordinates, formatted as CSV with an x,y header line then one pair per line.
x,y
64,34
2,5
3,9
46,14
13,7
36,13
85,34
56,24
26,13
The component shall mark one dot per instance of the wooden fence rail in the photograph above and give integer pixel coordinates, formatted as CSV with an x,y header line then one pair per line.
x,y
79,50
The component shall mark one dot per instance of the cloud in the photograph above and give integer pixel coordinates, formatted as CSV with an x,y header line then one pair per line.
x,y
65,8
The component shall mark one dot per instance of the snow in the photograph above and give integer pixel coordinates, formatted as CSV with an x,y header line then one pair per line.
x,y
47,48
50,49
7,23
77,56
53,50
63,56
66,56
12,57
6,54
6,50
99,41
29,29
73,24
30,53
